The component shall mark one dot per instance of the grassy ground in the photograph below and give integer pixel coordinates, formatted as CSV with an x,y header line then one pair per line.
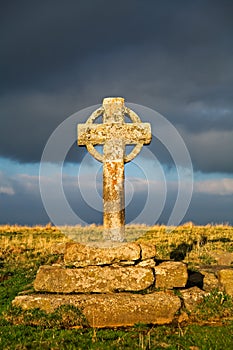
x,y
24,249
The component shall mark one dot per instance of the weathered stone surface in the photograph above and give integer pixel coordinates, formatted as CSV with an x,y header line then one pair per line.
x,y
222,257
148,251
80,255
147,263
94,279
192,297
210,281
171,274
110,310
226,281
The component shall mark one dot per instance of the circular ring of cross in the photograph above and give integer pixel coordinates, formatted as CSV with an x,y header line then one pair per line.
x,y
134,118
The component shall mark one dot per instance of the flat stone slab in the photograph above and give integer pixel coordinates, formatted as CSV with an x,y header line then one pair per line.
x,y
96,279
80,255
171,274
110,310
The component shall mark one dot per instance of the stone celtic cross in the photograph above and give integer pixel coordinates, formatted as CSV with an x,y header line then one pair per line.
x,y
114,134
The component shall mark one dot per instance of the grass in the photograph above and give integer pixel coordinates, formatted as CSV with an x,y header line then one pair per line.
x,y
24,249
192,337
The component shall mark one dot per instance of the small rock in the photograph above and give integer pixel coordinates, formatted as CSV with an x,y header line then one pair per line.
x,y
148,251
223,258
147,263
171,274
226,281
192,297
210,281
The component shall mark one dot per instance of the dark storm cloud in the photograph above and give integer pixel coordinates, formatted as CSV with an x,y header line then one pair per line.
x,y
210,151
48,37
173,56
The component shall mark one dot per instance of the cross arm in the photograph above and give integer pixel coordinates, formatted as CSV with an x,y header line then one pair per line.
x,y
91,133
130,133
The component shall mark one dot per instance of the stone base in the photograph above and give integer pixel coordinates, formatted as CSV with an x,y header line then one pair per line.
x,y
107,283
110,310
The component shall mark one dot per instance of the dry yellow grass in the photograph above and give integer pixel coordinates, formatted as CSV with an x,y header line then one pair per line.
x,y
197,242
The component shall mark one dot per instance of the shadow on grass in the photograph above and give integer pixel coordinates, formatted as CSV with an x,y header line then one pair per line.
x,y
180,252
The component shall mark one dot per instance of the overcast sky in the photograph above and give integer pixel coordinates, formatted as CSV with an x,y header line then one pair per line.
x,y
59,57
